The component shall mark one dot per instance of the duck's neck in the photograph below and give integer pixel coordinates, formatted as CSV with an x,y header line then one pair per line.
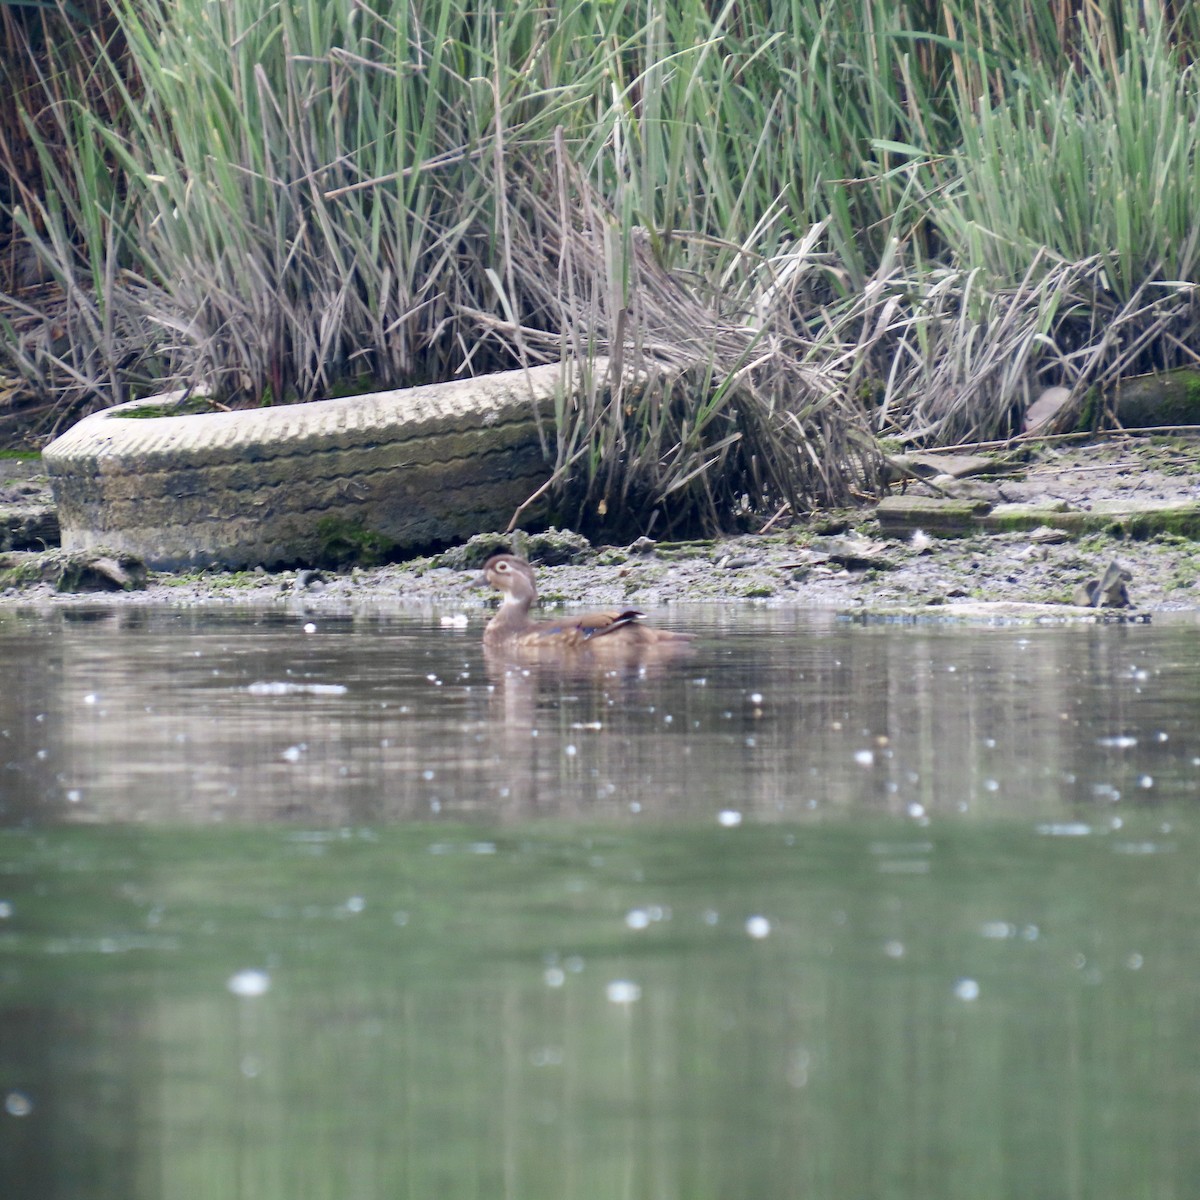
x,y
511,618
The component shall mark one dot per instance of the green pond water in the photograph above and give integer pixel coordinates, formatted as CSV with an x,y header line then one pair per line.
x,y
827,910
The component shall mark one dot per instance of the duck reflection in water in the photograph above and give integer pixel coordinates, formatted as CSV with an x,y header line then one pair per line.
x,y
603,669
603,639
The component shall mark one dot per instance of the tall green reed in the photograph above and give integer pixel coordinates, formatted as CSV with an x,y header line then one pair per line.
x,y
823,220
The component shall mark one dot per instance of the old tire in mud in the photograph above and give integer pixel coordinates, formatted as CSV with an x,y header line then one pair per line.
x,y
273,486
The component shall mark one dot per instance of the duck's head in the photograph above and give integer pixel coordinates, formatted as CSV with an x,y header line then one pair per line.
x,y
512,577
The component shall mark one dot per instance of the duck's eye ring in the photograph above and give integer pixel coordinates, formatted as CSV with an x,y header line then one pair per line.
x,y
502,566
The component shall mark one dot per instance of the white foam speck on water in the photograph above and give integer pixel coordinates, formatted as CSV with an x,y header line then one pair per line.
x,y
287,688
643,918
623,991
758,927
309,627
637,918
249,983
998,930
894,948
1140,848
1118,742
294,754
729,818
864,758
966,989
554,977
1064,829
455,621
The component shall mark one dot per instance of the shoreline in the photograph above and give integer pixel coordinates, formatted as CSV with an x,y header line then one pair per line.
x,y
839,561
936,579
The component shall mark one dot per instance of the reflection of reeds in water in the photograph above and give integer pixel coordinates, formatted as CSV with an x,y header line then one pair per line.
x,y
862,218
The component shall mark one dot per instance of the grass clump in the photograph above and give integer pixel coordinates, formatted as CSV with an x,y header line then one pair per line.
x,y
794,227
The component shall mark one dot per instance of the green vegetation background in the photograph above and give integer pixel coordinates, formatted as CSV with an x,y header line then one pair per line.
x,y
837,220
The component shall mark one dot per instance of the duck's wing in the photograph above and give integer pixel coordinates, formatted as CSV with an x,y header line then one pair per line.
x,y
580,630
598,624
615,628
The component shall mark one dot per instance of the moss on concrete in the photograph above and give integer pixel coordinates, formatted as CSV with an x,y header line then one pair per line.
x,y
345,543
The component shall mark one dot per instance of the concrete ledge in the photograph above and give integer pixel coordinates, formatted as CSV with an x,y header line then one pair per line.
x,y
902,515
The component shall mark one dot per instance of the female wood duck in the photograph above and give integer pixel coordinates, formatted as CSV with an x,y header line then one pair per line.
x,y
599,632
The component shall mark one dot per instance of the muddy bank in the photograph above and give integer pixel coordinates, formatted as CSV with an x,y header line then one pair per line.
x,y
1006,567
841,561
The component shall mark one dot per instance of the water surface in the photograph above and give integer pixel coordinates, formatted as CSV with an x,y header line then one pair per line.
x,y
828,910
196,716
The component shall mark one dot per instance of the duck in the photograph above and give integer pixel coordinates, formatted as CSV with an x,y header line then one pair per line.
x,y
615,630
